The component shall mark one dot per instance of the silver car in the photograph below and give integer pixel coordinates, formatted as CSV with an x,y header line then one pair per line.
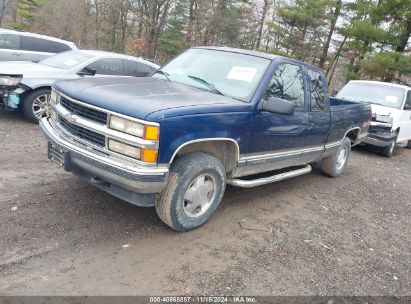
x,y
27,85
25,46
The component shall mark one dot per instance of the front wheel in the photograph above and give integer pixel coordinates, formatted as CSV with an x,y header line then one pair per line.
x,y
334,165
194,190
35,104
409,144
388,151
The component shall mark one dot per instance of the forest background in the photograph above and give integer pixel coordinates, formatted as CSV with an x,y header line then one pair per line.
x,y
363,39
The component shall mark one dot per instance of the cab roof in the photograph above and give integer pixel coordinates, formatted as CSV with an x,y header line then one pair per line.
x,y
382,83
254,53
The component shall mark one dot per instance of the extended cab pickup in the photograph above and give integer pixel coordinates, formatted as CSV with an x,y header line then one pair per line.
x,y
211,117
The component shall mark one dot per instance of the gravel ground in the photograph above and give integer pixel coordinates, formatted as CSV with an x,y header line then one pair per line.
x,y
311,235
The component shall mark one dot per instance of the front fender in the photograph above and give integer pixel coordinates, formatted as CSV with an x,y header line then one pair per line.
x,y
178,131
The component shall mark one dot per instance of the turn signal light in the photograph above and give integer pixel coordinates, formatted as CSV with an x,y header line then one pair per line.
x,y
149,156
151,132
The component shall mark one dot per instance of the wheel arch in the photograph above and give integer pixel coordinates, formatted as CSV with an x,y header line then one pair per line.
x,y
226,150
353,134
30,90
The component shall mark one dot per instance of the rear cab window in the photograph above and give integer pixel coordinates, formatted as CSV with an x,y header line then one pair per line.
x,y
317,94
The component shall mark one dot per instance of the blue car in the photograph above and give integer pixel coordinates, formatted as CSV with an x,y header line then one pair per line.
x,y
211,117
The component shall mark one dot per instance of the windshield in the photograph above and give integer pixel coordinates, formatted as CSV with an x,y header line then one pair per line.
x,y
230,74
67,60
377,93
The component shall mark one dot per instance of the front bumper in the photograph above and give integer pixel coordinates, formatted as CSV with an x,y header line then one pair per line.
x,y
10,97
136,184
379,140
380,135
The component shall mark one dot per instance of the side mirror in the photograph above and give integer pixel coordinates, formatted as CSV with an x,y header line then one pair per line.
x,y
277,105
407,107
87,72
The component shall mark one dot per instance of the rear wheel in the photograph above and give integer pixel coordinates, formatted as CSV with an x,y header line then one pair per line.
x,y
194,190
35,104
334,165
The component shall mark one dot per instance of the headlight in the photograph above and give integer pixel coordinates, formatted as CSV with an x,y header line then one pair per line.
x,y
134,128
10,81
54,97
383,118
123,148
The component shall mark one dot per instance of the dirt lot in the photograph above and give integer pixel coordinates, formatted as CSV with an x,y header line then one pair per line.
x,y
308,235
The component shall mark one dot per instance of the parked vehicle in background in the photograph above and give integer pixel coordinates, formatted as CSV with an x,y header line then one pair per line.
x,y
391,108
25,46
27,85
210,117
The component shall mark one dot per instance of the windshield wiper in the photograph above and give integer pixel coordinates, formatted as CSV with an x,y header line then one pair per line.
x,y
206,83
166,75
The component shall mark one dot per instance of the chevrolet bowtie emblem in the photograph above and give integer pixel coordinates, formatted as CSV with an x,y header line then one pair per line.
x,y
69,118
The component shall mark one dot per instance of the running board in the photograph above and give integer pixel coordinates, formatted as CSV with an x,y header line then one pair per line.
x,y
271,179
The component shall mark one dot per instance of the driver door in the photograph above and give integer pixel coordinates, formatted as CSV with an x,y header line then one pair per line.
x,y
405,120
281,137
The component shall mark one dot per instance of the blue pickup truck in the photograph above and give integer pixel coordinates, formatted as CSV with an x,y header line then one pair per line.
x,y
211,117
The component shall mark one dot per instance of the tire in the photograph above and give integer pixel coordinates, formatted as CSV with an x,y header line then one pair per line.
x,y
334,165
34,104
409,144
388,151
194,190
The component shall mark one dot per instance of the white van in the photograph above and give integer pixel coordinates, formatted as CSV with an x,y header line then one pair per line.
x,y
391,107
24,46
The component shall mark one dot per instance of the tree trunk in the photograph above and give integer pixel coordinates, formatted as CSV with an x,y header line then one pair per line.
x,y
336,56
326,46
405,37
266,7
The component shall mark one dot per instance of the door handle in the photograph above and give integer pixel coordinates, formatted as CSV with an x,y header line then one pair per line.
x,y
16,54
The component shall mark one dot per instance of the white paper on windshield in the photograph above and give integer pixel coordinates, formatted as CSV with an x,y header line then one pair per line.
x,y
70,62
242,73
392,99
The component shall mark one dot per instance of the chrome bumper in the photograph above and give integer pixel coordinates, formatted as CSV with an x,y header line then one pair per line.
x,y
134,183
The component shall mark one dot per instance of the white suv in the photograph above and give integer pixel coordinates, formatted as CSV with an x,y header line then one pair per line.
x,y
24,46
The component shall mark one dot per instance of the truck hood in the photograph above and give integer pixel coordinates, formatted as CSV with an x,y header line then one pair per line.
x,y
382,110
139,97
27,69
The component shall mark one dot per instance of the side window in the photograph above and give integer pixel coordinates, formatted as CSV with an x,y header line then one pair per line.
x,y
408,100
144,69
137,69
130,68
36,45
58,47
316,91
288,83
10,42
108,66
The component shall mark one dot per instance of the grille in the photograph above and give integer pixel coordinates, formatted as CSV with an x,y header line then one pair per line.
x,y
83,111
379,129
82,133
